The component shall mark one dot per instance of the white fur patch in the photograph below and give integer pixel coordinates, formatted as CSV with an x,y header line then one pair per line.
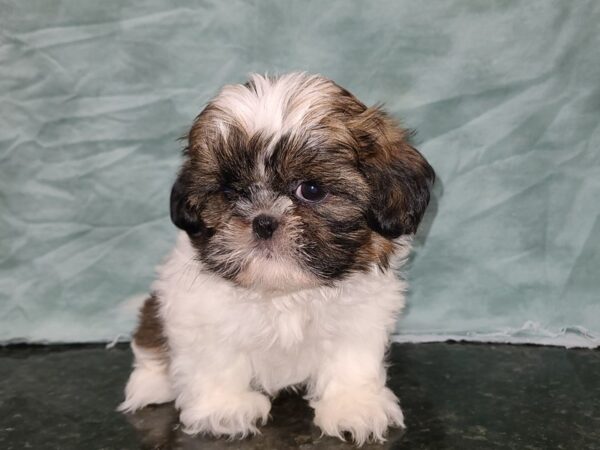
x,y
363,413
276,105
227,344
228,414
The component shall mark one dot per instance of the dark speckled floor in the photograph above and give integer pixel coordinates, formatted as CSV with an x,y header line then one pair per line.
x,y
454,396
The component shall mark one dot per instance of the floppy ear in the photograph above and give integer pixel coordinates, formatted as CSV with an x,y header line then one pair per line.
x,y
399,176
183,214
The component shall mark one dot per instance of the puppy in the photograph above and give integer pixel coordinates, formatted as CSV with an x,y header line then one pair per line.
x,y
296,202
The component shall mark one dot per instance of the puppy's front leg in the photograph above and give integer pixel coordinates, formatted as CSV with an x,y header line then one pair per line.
x,y
349,392
214,392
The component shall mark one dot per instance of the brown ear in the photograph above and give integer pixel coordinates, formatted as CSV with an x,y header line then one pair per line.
x,y
399,176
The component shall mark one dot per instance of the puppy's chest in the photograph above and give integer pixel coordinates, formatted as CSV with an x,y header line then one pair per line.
x,y
290,341
290,328
296,324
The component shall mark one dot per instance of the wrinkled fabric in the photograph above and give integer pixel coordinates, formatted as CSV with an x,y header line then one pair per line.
x,y
504,95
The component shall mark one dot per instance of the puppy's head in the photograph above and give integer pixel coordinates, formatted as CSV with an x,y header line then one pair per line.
x,y
291,182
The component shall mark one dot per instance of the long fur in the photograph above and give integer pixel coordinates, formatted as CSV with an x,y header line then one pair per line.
x,y
234,318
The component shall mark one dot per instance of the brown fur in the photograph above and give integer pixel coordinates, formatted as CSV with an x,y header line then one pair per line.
x,y
149,333
378,184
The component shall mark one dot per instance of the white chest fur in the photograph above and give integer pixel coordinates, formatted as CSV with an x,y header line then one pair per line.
x,y
284,335
228,347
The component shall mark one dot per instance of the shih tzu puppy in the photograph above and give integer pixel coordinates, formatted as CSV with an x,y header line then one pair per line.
x,y
296,202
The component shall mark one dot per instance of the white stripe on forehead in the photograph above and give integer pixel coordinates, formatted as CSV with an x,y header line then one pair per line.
x,y
276,106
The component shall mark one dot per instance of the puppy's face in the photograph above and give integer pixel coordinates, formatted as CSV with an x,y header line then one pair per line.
x,y
292,182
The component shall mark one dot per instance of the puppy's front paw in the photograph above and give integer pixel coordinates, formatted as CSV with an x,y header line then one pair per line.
x,y
233,415
365,414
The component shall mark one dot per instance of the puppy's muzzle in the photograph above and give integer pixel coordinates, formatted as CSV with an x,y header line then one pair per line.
x,y
264,226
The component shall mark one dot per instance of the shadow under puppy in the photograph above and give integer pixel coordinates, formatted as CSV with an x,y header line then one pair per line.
x,y
296,203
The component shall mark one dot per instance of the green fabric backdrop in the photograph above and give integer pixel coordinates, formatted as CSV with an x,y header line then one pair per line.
x,y
505,96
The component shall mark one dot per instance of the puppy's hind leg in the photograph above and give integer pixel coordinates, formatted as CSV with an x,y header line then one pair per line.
x,y
149,382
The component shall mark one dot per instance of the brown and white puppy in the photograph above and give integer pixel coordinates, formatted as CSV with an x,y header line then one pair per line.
x,y
295,201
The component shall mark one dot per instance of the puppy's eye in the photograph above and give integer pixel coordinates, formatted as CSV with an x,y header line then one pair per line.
x,y
227,190
309,191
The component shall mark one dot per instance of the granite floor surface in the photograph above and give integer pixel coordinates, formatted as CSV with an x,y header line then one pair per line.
x,y
454,396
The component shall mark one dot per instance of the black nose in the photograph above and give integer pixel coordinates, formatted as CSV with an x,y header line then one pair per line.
x,y
264,226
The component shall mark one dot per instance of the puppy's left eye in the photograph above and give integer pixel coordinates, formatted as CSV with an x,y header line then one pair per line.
x,y
309,191
228,190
